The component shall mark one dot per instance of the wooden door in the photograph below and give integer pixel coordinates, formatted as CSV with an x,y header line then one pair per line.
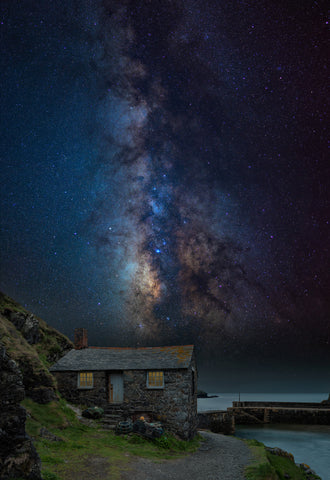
x,y
116,388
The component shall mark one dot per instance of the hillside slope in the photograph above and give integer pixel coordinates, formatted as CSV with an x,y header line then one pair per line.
x,y
28,346
33,345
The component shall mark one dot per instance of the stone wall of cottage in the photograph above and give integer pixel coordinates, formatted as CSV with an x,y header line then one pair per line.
x,y
67,383
175,405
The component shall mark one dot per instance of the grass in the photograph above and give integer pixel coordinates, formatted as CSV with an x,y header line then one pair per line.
x,y
10,304
267,466
22,352
33,360
260,468
51,341
89,449
283,466
53,415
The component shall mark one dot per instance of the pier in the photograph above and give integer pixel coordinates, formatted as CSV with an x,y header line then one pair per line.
x,y
280,412
256,413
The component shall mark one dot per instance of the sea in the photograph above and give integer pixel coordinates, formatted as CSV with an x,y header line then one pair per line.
x,y
309,444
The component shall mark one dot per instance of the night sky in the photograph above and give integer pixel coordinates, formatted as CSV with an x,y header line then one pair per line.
x,y
165,179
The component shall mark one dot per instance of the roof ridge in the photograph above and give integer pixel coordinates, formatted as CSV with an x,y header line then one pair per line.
x,y
137,348
126,358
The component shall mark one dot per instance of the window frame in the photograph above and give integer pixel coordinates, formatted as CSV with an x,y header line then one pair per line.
x,y
156,387
85,387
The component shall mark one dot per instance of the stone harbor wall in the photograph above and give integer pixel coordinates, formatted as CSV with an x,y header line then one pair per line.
x,y
18,457
175,405
295,405
217,421
277,412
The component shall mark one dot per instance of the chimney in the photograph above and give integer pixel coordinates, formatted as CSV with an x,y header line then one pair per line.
x,y
80,338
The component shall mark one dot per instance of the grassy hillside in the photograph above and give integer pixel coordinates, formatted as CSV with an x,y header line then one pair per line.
x,y
35,359
26,356
70,450
51,343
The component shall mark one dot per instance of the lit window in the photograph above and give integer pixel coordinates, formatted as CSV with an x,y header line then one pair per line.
x,y
155,380
85,380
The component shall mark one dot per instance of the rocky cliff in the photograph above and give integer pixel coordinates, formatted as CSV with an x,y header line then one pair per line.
x,y
34,346
28,346
18,457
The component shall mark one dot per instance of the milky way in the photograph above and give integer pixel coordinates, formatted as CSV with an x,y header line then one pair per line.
x,y
190,265
199,209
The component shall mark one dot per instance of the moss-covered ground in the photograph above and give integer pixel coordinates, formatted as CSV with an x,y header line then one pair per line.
x,y
88,451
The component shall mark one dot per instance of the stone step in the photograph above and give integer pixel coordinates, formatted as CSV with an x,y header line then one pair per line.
x,y
109,426
112,418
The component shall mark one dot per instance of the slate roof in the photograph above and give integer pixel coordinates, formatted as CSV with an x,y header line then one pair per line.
x,y
148,358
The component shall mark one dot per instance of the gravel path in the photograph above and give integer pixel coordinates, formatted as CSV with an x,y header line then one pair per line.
x,y
219,458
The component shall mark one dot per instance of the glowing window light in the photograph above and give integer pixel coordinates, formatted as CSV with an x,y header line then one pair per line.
x,y
155,379
85,380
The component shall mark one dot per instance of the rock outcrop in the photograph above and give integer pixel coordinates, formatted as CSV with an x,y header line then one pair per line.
x,y
18,457
26,323
34,346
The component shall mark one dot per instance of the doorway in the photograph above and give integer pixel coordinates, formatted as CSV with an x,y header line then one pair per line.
x,y
116,388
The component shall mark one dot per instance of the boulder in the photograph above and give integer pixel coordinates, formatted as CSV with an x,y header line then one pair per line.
x,y
308,471
93,412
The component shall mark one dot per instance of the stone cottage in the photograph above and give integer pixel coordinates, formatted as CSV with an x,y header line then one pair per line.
x,y
159,383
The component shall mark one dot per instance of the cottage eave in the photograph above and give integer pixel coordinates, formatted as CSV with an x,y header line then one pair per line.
x,y
121,359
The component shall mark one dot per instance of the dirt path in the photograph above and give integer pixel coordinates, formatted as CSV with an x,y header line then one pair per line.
x,y
219,458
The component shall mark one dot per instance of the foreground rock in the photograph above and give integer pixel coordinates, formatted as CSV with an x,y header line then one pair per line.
x,y
18,457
